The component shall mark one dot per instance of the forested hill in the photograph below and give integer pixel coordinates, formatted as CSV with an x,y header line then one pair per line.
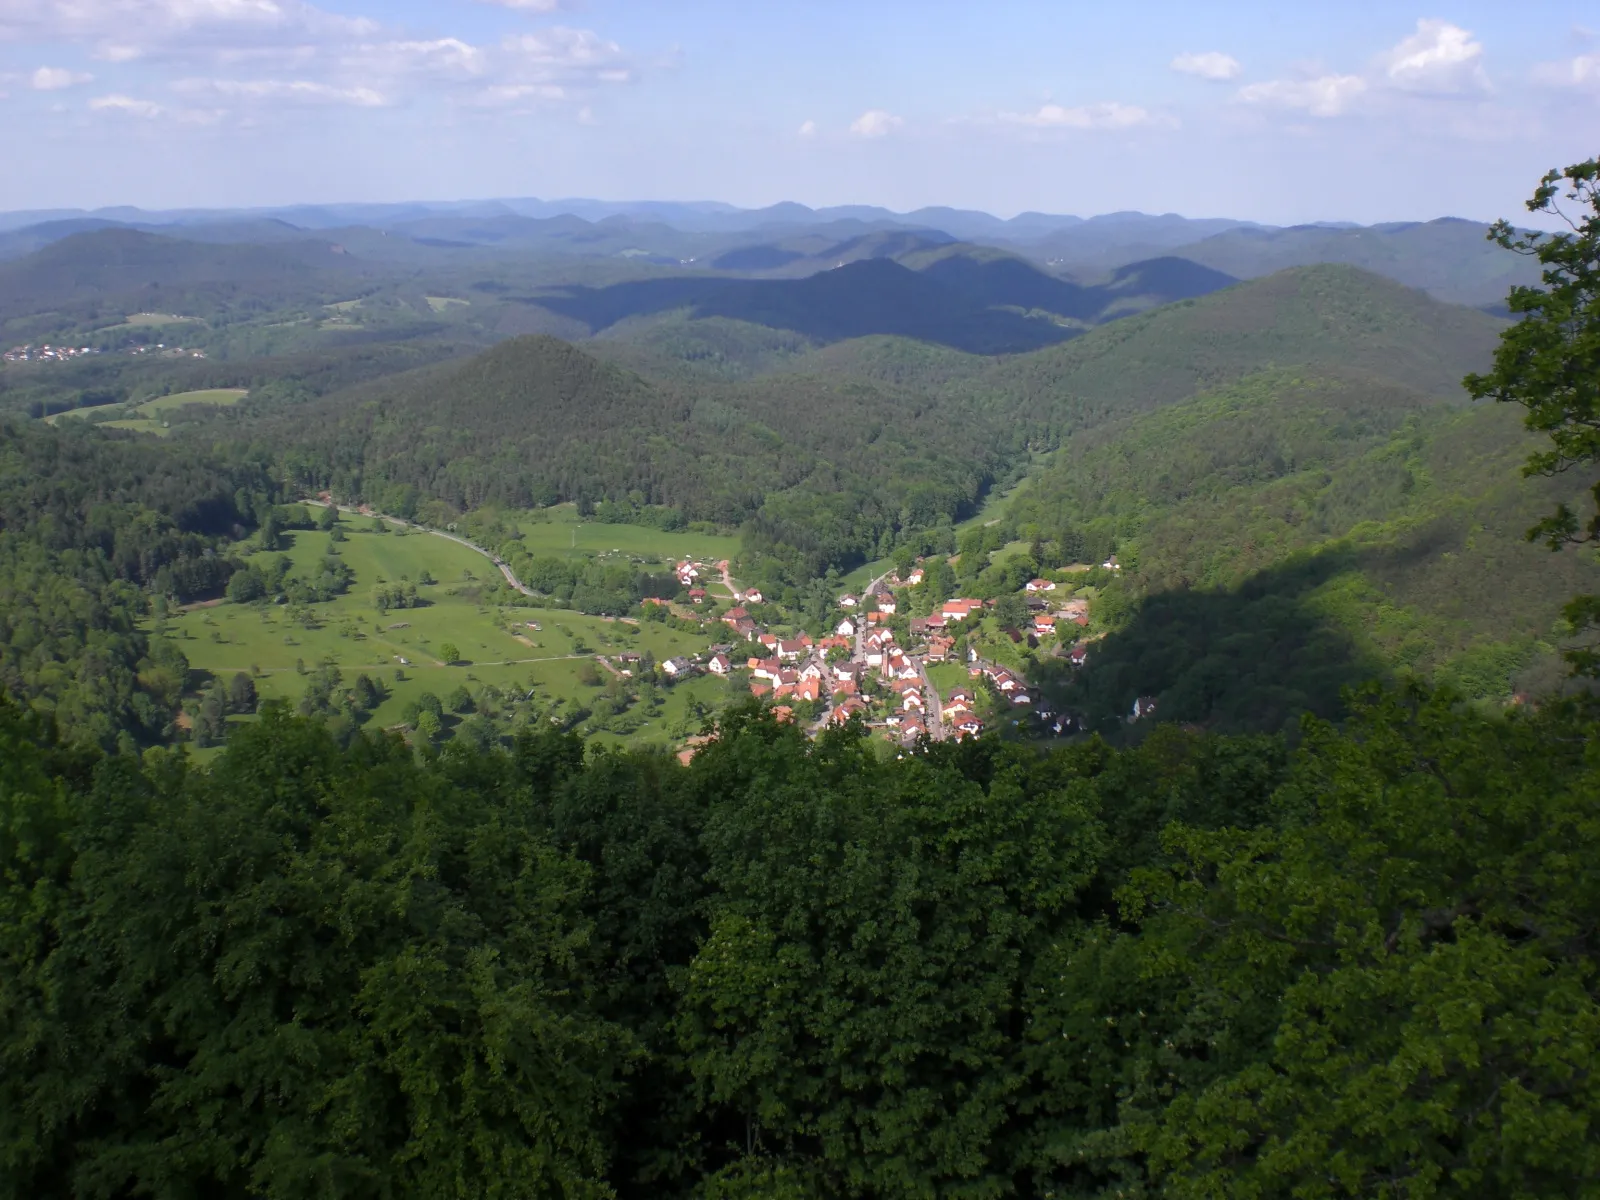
x,y
824,467
93,529
1314,318
843,446
796,969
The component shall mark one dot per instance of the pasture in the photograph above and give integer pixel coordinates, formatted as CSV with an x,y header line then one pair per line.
x,y
150,320
281,644
565,535
215,397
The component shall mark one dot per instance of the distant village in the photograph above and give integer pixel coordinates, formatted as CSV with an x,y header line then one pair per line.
x,y
861,669
48,353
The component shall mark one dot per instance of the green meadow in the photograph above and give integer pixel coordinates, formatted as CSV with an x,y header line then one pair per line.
x,y
218,397
281,644
567,536
149,416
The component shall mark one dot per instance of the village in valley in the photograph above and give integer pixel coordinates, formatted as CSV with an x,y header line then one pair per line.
x,y
905,677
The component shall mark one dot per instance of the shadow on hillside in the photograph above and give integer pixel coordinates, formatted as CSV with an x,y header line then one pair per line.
x,y
873,296
1252,658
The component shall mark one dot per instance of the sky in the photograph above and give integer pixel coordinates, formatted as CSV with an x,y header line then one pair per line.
x,y
1273,112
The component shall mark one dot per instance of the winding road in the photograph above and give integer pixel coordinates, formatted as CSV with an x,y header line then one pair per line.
x,y
490,555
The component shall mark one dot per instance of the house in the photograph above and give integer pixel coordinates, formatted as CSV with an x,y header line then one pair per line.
x,y
813,670
832,643
769,640
913,728
792,650
759,690
1111,564
955,713
884,601
845,687
1044,625
735,614
766,668
783,691
678,667
847,670
960,610
697,595
719,665
1039,585
1006,682
912,700
746,628
1079,656
783,713
962,696
881,637
653,600
845,711
848,601
940,648
915,578
971,727
788,678
845,628
877,618
1021,698
809,689
1144,706
753,597
936,621
919,626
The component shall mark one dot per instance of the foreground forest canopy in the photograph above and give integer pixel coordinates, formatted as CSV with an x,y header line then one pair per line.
x,y
1203,967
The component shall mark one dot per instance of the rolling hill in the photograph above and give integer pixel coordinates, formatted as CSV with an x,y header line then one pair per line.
x,y
1450,259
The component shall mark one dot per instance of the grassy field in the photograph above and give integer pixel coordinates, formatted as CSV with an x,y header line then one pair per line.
x,y
444,303
217,397
566,536
946,677
495,645
151,412
156,320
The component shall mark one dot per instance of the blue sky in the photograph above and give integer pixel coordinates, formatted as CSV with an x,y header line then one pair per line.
x,y
1276,112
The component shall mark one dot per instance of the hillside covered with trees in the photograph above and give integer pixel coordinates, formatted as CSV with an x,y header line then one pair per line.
x,y
1201,967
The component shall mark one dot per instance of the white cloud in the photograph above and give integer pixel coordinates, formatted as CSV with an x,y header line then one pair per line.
x,y
1327,96
126,104
51,79
300,91
1581,73
1087,116
808,129
568,51
1212,65
875,123
515,93
1439,58
120,30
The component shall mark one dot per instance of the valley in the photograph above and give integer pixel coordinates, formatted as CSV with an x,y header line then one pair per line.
x,y
1212,470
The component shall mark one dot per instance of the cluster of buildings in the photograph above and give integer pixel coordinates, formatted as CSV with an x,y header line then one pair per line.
x,y
165,351
46,353
875,677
